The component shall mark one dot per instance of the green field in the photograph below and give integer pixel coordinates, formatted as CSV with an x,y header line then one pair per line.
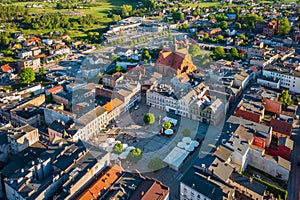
x,y
99,9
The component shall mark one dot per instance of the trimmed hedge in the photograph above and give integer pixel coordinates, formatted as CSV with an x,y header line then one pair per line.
x,y
278,192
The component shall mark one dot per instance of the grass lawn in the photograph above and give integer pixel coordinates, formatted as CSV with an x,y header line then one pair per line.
x,y
99,9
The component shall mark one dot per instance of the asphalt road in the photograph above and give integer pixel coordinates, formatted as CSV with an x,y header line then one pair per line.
x,y
294,179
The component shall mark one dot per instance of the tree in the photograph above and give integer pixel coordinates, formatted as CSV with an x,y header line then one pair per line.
x,y
177,16
49,98
146,55
238,25
42,71
219,52
155,164
126,10
116,18
284,26
194,50
167,125
223,25
285,98
134,155
149,118
27,75
118,148
220,38
119,69
234,53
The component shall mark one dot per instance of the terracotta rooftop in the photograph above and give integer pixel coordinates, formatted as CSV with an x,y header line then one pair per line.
x,y
150,189
6,68
103,183
55,89
109,106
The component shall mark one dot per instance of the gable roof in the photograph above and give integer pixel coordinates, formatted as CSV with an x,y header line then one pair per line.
x,y
6,68
179,61
223,152
247,183
109,106
92,115
281,126
104,182
202,185
55,89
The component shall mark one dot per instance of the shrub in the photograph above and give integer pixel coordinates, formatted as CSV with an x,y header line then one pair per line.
x,y
134,155
167,125
118,148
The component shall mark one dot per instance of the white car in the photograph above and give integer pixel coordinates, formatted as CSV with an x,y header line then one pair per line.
x,y
136,107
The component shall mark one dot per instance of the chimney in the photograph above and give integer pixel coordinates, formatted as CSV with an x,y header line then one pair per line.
x,y
142,193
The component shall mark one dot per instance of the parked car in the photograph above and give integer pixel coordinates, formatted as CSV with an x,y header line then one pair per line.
x,y
136,107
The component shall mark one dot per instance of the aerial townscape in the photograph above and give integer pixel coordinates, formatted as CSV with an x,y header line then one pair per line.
x,y
149,99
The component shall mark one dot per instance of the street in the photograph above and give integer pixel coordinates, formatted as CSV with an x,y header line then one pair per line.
x,y
294,179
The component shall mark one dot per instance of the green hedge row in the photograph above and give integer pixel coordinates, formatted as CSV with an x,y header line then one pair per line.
x,y
278,192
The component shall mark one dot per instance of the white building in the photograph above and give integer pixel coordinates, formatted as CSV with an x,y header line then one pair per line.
x,y
289,79
240,155
94,121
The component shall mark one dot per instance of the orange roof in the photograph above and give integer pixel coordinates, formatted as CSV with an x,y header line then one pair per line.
x,y
55,89
112,104
41,55
150,189
32,40
105,181
6,68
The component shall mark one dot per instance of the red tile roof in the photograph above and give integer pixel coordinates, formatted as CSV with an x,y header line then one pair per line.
x,y
6,68
54,90
281,126
150,189
179,61
103,183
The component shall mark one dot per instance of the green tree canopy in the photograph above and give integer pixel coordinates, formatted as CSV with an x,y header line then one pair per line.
x,y
285,98
27,75
126,10
146,55
42,71
177,16
119,69
284,26
116,18
234,53
118,148
155,164
167,125
194,50
219,52
223,25
149,118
